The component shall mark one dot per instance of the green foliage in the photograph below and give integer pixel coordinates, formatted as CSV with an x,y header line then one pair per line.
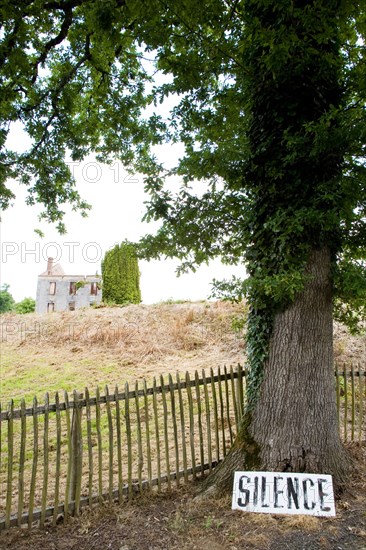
x,y
27,305
80,284
350,292
6,299
121,275
259,330
270,104
284,163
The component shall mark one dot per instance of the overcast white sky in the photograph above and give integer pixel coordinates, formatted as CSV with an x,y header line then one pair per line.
x,y
117,200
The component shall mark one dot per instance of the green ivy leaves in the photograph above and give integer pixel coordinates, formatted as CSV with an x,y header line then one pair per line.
x,y
121,275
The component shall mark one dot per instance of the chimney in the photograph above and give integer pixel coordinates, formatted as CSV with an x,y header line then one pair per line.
x,y
49,266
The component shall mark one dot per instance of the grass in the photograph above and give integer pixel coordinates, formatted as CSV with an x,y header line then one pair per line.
x,y
41,376
95,347
67,351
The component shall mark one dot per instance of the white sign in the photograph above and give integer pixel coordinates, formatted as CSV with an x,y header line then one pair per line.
x,y
283,493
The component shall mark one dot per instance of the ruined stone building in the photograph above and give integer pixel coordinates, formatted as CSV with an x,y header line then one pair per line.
x,y
57,291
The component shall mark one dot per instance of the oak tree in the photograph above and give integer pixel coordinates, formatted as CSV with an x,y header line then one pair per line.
x,y
270,106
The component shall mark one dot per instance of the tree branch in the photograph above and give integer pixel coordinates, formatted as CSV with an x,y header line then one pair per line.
x,y
66,24
64,80
7,47
64,6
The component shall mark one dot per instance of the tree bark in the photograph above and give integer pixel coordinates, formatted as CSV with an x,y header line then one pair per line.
x,y
294,424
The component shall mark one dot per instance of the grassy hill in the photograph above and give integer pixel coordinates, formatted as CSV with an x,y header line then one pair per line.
x,y
69,350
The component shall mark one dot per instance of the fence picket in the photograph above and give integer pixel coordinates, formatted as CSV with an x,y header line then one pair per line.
x,y
241,401
360,410
45,459
157,431
128,440
9,492
182,427
221,412
345,425
200,431
191,423
34,463
139,438
166,434
338,394
175,429
23,434
110,446
77,462
90,446
216,416
58,457
119,447
208,420
69,457
148,443
99,443
353,403
227,402
234,398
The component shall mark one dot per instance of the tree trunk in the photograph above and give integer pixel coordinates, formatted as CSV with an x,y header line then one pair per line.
x,y
294,425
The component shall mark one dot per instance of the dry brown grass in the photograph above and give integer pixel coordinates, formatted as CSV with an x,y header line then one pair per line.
x,y
113,345
349,349
304,523
66,351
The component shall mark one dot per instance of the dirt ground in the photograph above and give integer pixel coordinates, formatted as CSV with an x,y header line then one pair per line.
x,y
176,520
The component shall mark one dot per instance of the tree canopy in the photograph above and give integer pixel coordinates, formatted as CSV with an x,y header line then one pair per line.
x,y
75,75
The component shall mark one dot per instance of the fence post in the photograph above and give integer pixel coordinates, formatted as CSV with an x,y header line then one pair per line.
x,y
76,452
9,485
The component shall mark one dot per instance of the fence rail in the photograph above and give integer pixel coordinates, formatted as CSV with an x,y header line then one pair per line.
x,y
58,457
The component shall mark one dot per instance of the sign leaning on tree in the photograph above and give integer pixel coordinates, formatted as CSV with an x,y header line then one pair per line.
x,y
283,493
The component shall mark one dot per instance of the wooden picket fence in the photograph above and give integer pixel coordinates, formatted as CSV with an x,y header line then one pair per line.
x,y
56,458
351,401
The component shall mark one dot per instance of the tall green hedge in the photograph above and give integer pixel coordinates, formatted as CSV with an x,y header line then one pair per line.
x,y
121,275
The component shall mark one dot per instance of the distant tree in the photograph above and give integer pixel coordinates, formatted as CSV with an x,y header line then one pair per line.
x,y
121,275
28,305
6,299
